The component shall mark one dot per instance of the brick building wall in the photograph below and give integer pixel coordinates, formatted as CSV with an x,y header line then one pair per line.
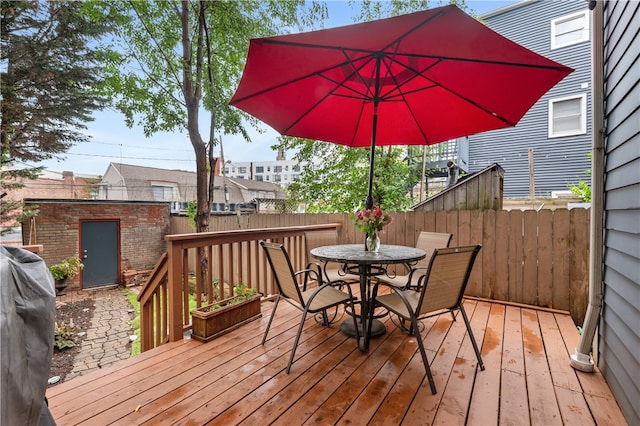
x,y
143,226
50,185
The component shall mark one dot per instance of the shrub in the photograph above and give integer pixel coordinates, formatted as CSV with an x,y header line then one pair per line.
x,y
68,268
64,335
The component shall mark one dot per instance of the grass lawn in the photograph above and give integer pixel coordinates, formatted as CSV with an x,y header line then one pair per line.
x,y
132,297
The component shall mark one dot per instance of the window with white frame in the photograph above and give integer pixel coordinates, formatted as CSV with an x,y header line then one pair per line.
x,y
568,116
570,29
164,192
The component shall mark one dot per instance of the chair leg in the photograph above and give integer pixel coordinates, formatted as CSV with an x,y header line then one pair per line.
x,y
325,318
355,321
423,353
473,339
295,342
273,312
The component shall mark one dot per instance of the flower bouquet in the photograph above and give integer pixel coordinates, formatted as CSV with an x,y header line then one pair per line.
x,y
371,221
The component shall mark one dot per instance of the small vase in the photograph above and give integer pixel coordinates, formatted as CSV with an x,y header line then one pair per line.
x,y
372,243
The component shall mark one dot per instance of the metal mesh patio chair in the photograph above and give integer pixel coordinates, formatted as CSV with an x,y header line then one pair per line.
x,y
429,242
316,300
442,289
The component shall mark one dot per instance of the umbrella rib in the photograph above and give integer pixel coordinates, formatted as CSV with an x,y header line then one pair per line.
x,y
491,62
477,105
435,84
358,95
331,93
319,73
397,86
415,28
425,56
366,94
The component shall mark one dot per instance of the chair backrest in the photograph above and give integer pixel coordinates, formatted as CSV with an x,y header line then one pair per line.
x,y
323,237
429,241
282,271
447,278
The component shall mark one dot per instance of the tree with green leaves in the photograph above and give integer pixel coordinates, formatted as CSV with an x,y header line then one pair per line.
x,y
171,61
334,178
47,74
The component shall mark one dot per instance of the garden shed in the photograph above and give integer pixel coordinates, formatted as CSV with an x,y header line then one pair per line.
x,y
115,240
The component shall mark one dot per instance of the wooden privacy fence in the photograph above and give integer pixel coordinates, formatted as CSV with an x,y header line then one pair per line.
x,y
531,257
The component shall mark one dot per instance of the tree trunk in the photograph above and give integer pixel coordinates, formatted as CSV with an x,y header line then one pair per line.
x,y
192,92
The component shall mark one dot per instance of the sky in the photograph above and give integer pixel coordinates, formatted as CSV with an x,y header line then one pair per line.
x,y
112,141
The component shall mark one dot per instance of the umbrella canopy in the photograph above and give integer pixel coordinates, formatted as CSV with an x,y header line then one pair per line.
x,y
415,79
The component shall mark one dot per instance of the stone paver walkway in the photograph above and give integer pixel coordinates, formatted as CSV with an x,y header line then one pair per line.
x,y
108,337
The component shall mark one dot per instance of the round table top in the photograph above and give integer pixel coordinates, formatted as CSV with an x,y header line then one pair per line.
x,y
355,253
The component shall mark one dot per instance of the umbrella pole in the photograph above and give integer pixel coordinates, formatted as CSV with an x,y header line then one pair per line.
x,y
369,201
372,156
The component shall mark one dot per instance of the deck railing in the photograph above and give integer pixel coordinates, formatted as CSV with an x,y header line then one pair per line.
x,y
538,258
222,260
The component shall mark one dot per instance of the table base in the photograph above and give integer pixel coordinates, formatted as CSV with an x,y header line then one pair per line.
x,y
377,327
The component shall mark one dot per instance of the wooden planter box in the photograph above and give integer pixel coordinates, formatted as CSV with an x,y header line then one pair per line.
x,y
207,323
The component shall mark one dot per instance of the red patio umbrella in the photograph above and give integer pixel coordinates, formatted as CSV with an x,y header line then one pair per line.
x,y
415,79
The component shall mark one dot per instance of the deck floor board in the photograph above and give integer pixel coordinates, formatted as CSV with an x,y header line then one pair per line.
x,y
236,380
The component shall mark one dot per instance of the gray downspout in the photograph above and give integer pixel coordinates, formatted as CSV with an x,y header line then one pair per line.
x,y
581,359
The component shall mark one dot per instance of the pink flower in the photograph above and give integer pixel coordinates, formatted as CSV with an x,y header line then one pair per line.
x,y
371,220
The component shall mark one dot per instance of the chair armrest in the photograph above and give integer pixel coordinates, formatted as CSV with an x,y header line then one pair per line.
x,y
417,269
309,271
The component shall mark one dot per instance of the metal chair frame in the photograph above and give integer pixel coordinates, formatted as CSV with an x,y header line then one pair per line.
x,y
442,291
429,242
315,300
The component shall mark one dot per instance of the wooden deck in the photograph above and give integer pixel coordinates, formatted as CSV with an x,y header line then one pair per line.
x,y
236,380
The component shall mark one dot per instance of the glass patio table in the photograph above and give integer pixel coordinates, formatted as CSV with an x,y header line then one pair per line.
x,y
367,265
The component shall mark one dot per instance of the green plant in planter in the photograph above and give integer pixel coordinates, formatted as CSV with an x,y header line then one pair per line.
x,y
242,292
212,320
68,268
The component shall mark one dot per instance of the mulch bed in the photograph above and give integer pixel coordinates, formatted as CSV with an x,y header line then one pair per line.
x,y
81,313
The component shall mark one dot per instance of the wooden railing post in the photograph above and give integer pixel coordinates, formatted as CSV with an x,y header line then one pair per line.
x,y
174,253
